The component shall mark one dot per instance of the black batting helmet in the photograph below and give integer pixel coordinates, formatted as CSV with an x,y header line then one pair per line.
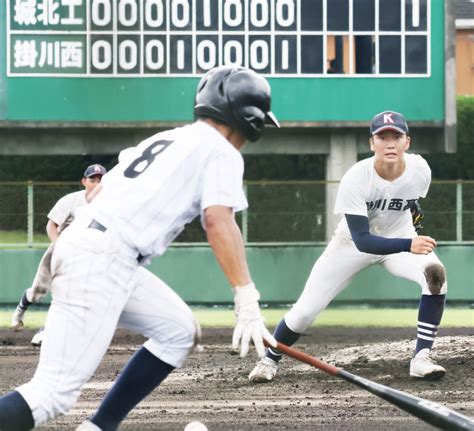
x,y
238,97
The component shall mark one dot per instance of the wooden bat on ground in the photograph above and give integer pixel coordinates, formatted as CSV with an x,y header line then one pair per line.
x,y
431,412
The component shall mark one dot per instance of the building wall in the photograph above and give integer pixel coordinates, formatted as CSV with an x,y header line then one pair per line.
x,y
465,62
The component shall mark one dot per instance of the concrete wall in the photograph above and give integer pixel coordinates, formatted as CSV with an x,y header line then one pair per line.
x,y
279,273
49,138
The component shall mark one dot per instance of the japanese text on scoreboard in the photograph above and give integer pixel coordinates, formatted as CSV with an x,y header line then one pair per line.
x,y
96,38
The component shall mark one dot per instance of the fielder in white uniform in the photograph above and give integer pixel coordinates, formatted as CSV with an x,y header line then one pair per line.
x,y
60,216
375,199
144,203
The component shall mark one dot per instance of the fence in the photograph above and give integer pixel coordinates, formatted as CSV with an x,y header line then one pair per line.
x,y
280,212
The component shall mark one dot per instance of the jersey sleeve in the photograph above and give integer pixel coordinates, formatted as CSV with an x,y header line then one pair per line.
x,y
350,197
223,182
61,210
373,244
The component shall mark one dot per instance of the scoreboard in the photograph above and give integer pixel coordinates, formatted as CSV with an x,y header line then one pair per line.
x,y
140,60
281,38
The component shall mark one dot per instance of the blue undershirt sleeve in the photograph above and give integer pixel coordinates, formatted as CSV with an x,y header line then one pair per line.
x,y
368,243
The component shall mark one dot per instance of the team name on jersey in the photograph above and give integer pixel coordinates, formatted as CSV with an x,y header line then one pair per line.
x,y
394,204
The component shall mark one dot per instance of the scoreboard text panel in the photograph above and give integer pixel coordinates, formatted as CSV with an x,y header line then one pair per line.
x,y
140,60
188,37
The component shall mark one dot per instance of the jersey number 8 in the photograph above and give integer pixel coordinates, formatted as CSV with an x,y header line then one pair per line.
x,y
146,159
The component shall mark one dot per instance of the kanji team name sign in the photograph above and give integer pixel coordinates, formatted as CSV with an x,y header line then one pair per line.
x,y
280,38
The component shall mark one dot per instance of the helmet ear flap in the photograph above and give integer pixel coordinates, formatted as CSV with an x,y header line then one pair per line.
x,y
251,120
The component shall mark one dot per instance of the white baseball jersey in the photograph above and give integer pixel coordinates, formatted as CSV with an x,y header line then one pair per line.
x,y
65,208
146,200
179,173
386,203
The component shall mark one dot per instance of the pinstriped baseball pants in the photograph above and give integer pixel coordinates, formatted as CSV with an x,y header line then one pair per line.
x,y
337,266
97,286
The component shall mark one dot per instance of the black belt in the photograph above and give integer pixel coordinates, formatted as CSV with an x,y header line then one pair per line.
x,y
94,224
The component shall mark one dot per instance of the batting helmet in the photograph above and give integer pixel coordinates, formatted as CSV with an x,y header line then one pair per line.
x,y
238,97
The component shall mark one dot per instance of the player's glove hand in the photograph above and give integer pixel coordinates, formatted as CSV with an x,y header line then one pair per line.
x,y
417,216
249,325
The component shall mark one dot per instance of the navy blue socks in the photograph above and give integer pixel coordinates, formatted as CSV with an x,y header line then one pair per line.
x,y
15,414
284,335
143,373
430,313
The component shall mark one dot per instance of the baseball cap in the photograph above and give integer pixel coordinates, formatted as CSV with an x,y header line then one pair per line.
x,y
388,120
94,170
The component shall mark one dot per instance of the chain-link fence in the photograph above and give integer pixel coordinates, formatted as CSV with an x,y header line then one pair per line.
x,y
279,212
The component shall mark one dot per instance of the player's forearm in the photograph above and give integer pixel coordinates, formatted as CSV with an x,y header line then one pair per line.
x,y
373,244
379,245
225,238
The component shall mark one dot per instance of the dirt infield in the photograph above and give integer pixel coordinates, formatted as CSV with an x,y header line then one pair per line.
x,y
213,388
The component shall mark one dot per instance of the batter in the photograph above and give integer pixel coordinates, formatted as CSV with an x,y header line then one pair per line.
x,y
145,202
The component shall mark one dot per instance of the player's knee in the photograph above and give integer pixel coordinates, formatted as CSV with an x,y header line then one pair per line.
x,y
175,344
188,330
189,336
435,275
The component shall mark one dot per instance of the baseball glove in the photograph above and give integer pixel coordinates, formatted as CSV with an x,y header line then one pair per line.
x,y
417,216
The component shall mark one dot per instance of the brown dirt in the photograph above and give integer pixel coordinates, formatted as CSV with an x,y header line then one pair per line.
x,y
213,388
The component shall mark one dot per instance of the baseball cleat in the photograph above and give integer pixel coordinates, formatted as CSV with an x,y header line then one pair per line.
x,y
198,348
264,371
422,367
38,338
17,319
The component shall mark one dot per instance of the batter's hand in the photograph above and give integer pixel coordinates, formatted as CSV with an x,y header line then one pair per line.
x,y
422,245
249,326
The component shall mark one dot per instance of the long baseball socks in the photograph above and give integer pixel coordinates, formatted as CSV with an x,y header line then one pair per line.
x,y
15,414
284,335
430,313
143,373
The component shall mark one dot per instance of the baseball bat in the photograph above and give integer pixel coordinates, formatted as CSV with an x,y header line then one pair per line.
x,y
431,412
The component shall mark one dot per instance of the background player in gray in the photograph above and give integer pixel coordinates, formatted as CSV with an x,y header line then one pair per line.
x,y
375,199
144,203
60,217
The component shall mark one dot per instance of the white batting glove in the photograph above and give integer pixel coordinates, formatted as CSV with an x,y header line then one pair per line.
x,y
249,325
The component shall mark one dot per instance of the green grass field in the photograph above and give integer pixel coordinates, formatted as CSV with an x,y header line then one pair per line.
x,y
21,237
356,317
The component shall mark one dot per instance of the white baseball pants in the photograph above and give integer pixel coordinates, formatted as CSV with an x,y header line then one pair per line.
x,y
336,267
97,285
